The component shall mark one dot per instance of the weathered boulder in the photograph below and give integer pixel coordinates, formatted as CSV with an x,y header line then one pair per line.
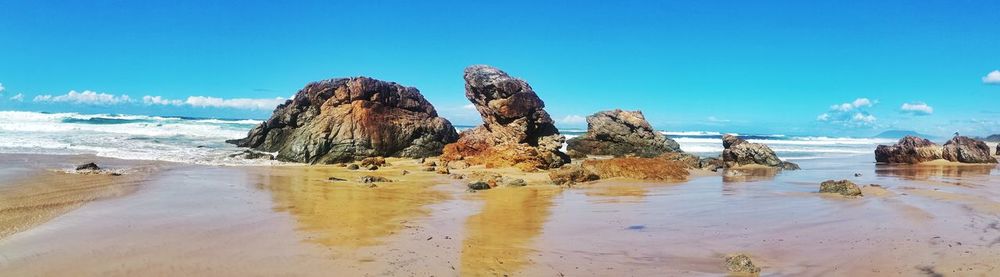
x,y
842,187
348,119
516,130
909,150
620,133
966,150
738,152
571,174
88,166
652,169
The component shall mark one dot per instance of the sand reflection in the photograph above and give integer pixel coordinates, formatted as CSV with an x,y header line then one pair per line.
x,y
498,239
349,214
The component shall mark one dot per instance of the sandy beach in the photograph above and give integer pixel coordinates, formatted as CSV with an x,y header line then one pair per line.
x,y
175,219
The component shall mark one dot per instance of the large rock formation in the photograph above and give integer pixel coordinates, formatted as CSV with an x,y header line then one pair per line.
x,y
347,119
620,133
966,150
738,152
516,130
909,150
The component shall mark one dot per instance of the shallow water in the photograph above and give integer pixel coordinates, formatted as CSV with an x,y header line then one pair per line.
x,y
225,221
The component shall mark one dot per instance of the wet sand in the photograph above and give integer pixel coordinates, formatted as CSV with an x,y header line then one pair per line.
x,y
293,221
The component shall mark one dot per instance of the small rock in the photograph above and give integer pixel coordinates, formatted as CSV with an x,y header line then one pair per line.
x,y
479,186
516,183
372,167
842,187
353,167
430,163
88,166
740,263
252,155
405,172
443,170
857,174
458,176
789,166
374,179
370,161
430,168
336,179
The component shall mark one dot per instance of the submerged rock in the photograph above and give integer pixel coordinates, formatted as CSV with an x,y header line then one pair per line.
x,y
571,174
516,130
252,155
909,150
739,152
88,166
348,119
842,187
374,179
479,186
621,133
966,150
740,263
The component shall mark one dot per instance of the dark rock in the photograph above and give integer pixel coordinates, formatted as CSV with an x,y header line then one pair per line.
x,y
479,186
966,150
348,119
516,130
88,166
429,168
909,150
430,163
571,174
842,187
740,263
621,133
739,152
353,167
405,172
374,179
252,155
789,166
713,164
336,179
372,167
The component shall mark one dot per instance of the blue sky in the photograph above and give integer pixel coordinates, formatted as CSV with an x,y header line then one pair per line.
x,y
731,66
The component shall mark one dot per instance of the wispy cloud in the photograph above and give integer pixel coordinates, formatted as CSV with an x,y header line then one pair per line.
x,y
573,119
2,88
917,108
158,100
17,97
992,78
469,107
235,103
850,114
86,97
717,120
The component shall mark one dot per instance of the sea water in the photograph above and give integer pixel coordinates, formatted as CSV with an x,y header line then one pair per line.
x,y
202,140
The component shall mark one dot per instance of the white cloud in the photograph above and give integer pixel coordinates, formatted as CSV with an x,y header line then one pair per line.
x,y
917,108
469,107
863,118
851,114
158,100
18,97
858,103
573,119
85,97
235,103
992,78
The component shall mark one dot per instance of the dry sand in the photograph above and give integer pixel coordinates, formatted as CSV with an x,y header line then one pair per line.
x,y
172,220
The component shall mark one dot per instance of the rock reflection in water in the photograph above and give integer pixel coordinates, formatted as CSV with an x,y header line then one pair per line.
x,y
749,174
924,172
498,238
348,214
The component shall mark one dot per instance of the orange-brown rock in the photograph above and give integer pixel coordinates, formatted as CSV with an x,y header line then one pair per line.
x,y
655,169
516,130
349,119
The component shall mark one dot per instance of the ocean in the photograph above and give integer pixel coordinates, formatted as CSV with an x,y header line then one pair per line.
x,y
202,140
